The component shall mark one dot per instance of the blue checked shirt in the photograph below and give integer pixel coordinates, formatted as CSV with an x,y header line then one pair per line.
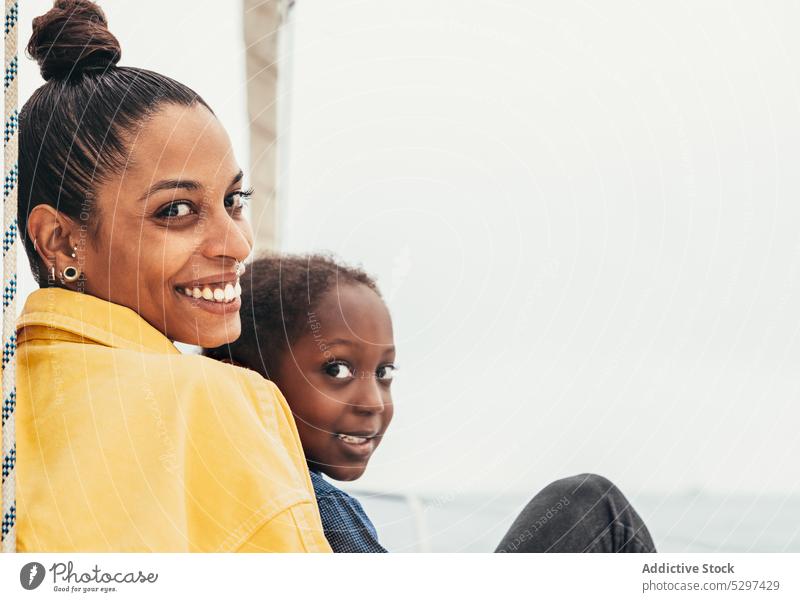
x,y
347,527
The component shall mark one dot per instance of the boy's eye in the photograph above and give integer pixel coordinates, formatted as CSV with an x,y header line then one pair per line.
x,y
386,373
338,370
175,209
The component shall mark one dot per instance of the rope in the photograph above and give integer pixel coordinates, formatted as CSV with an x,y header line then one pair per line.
x,y
10,141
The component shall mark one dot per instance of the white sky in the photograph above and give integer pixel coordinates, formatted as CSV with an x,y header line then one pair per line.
x,y
584,219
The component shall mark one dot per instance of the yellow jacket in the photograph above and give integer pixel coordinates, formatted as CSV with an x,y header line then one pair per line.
x,y
125,444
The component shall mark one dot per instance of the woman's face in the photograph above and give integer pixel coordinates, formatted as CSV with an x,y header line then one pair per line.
x,y
171,229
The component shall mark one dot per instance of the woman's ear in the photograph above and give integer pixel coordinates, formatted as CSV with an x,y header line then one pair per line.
x,y
52,232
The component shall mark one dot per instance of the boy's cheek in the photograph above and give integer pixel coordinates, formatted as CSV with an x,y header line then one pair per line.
x,y
388,415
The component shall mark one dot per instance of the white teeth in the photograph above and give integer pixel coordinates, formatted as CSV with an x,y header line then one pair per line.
x,y
352,439
225,294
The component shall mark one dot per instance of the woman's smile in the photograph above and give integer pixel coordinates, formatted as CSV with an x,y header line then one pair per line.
x,y
217,294
219,299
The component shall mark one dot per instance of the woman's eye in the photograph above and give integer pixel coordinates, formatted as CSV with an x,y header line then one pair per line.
x,y
238,200
386,373
176,209
338,370
233,201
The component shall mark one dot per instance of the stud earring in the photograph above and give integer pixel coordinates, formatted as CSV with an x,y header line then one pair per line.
x,y
74,253
240,268
70,274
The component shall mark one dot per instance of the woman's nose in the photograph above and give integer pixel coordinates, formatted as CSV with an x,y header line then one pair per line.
x,y
227,237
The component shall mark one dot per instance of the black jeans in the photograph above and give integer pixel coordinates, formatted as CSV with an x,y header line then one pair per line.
x,y
584,513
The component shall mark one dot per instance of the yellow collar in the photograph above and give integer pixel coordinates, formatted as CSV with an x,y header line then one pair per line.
x,y
63,311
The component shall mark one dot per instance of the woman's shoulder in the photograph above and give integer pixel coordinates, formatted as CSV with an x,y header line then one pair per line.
x,y
210,375
203,435
214,376
225,371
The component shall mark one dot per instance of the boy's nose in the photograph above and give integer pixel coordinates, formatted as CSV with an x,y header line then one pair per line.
x,y
369,397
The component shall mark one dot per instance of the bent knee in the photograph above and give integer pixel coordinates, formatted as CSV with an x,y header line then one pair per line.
x,y
587,486
595,483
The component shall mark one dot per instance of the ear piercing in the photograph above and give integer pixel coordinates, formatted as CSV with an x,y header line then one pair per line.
x,y
70,274
240,268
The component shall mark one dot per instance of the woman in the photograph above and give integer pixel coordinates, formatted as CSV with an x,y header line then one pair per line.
x,y
130,205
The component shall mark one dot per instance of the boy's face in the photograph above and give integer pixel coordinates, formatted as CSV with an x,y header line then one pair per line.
x,y
337,379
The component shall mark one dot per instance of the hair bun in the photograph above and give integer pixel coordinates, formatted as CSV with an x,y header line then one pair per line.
x,y
71,39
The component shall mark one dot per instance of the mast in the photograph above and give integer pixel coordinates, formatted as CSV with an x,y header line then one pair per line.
x,y
267,31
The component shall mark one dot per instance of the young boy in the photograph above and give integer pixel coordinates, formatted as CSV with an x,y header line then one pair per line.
x,y
322,333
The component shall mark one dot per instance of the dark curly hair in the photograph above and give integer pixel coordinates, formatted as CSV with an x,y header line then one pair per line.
x,y
278,292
